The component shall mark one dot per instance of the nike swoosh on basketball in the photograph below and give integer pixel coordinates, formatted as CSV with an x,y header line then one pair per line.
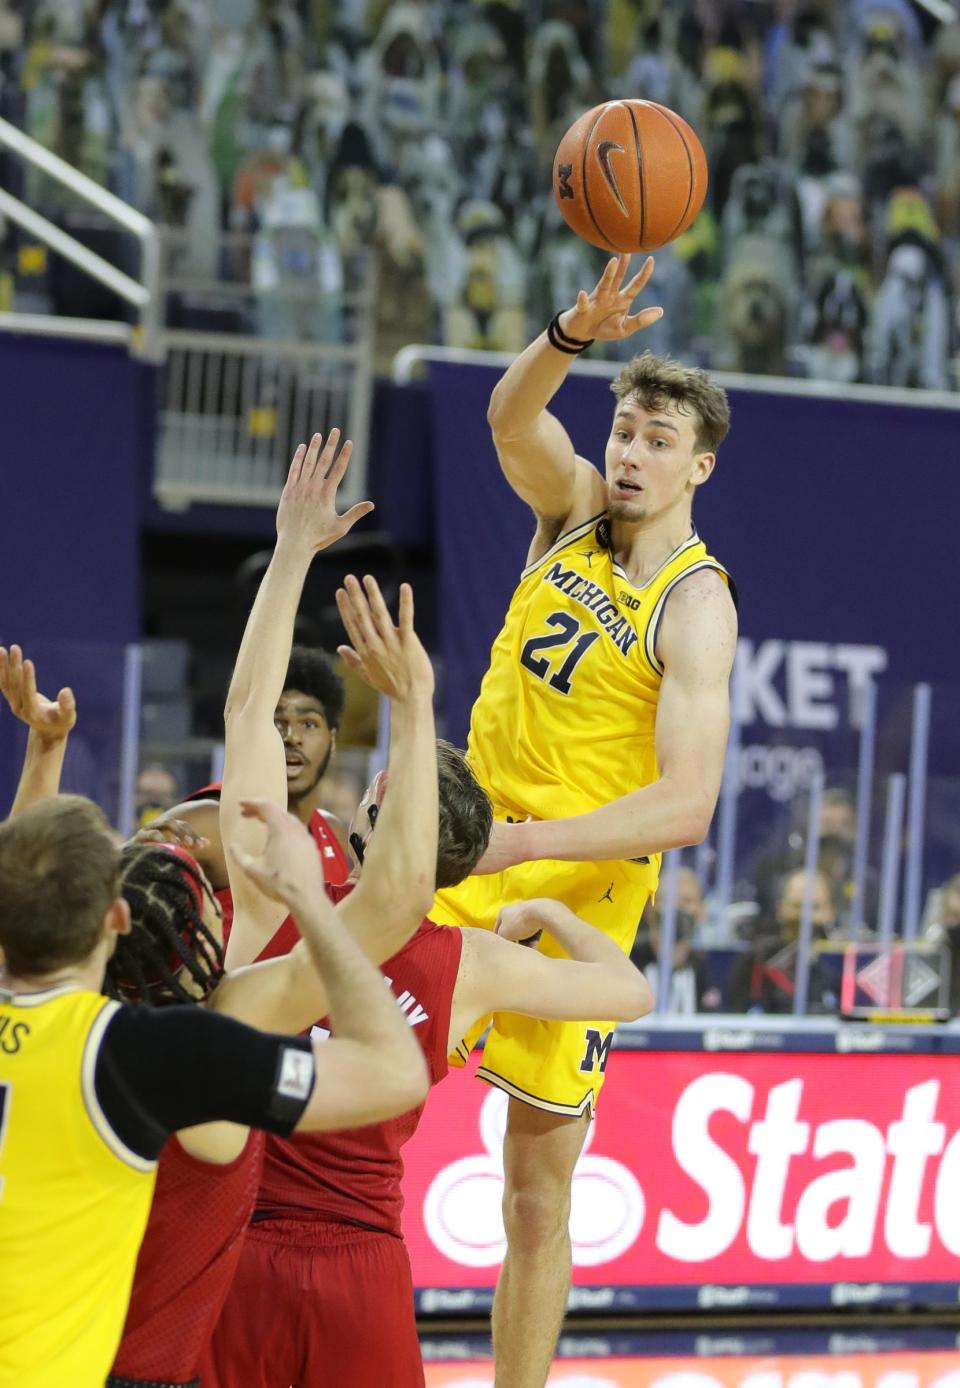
x,y
604,149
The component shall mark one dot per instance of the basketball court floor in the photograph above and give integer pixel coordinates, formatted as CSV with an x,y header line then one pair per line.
x,y
847,1357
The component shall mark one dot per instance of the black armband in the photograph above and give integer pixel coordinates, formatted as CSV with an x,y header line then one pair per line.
x,y
562,341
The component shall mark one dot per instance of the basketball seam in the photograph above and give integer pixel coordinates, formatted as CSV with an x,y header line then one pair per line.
x,y
683,140
583,179
639,149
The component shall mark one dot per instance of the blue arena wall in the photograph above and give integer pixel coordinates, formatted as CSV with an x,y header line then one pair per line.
x,y
78,421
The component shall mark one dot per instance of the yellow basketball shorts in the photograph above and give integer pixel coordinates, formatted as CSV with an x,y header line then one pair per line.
x,y
556,1066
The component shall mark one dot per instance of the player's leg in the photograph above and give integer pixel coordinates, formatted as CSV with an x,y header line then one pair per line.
x,y
252,1346
357,1317
540,1151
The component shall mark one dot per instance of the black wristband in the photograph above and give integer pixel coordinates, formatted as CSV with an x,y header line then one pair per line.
x,y
562,341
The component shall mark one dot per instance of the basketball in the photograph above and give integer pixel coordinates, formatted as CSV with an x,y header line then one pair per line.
x,y
629,176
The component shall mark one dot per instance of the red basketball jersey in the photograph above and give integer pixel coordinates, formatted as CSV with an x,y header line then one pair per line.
x,y
187,1260
336,870
355,1175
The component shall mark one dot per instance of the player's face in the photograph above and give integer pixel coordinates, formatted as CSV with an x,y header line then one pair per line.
x,y
307,741
652,465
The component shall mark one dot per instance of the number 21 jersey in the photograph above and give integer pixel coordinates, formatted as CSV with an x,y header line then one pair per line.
x,y
566,716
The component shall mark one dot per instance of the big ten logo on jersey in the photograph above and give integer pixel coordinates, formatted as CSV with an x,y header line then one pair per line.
x,y
628,600
462,1209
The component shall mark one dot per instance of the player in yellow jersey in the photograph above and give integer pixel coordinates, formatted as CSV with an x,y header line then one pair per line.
x,y
599,733
90,1090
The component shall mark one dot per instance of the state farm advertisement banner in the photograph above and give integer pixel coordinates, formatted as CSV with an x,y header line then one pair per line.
x,y
923,1370
738,1180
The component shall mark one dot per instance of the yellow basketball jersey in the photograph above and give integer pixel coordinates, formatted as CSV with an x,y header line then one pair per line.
x,y
566,715
73,1201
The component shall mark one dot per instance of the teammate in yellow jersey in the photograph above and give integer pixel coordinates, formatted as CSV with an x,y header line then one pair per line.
x,y
90,1089
599,733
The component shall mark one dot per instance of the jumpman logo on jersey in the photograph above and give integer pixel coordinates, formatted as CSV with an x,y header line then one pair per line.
x,y
588,555
608,895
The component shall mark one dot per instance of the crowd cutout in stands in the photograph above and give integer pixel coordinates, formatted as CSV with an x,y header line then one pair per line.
x,y
423,131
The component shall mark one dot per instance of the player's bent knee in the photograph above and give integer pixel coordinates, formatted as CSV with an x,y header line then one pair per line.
x,y
531,1217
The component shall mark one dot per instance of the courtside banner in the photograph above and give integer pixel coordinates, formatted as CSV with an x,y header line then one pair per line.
x,y
721,1182
914,1370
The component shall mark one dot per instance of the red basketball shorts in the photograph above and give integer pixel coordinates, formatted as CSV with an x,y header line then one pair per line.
x,y
317,1305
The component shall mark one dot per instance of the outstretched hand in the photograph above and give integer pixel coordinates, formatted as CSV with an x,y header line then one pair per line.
x,y
605,312
51,718
389,658
288,869
308,506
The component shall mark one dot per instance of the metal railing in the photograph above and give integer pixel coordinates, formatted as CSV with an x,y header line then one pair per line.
x,y
234,409
142,294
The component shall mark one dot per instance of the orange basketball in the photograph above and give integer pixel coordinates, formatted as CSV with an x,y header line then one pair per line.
x,y
629,176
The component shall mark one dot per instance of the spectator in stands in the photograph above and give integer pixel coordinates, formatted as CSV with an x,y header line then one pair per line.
x,y
837,837
911,328
946,159
178,106
156,791
945,929
764,980
485,309
691,987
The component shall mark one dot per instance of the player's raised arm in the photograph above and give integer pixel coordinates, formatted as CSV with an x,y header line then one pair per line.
x,y
50,722
396,887
398,880
597,980
696,646
254,762
534,449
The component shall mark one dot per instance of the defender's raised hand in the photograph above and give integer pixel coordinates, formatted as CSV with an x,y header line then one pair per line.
x,y
307,513
52,719
605,312
389,658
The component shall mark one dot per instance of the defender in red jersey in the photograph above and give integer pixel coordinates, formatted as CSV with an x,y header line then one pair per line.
x,y
307,716
208,1179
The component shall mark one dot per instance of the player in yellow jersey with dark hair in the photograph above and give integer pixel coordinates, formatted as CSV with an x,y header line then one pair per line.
x,y
599,733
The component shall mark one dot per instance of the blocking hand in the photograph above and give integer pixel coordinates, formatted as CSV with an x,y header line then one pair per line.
x,y
308,506
389,658
51,718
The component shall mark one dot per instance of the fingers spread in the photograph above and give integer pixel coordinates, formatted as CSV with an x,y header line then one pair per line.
x,y
313,453
378,608
350,658
296,465
336,467
643,319
356,615
350,518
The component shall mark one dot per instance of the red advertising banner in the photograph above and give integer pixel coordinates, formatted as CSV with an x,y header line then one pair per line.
x,y
916,1370
718,1174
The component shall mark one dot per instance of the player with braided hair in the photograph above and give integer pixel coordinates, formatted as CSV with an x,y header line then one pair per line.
x,y
173,953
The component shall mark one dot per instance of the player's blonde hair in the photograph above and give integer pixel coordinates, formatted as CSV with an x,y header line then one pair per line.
x,y
658,381
59,872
